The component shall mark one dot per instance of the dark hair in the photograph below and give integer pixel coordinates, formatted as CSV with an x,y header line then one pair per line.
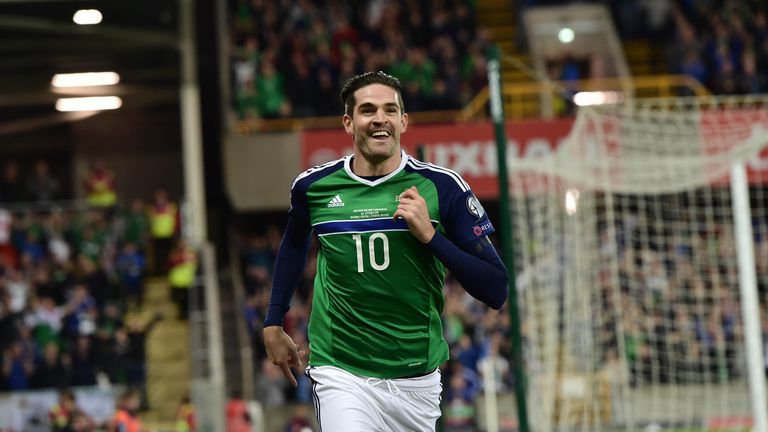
x,y
359,81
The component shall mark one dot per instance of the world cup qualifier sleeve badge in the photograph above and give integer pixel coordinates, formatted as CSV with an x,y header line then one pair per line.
x,y
475,208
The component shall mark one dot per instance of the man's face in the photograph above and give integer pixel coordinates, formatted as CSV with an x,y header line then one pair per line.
x,y
376,122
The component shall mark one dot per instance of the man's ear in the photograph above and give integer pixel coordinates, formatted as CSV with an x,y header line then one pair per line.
x,y
404,122
347,122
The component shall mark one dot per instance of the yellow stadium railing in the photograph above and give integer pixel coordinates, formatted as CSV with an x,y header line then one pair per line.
x,y
527,99
522,100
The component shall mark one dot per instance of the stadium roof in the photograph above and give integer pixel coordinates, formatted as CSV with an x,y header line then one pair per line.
x,y
137,39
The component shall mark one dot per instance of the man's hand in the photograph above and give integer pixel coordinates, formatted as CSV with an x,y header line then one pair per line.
x,y
282,351
413,209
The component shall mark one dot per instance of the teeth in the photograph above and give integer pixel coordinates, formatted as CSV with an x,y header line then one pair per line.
x,y
380,134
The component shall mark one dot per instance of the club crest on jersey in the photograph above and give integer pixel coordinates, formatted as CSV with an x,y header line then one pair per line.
x,y
336,202
474,207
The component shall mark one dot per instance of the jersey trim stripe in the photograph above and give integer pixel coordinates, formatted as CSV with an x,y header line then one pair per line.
x,y
315,169
336,227
417,165
348,167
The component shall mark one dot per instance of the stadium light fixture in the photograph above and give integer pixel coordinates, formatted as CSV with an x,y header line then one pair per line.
x,y
566,35
85,79
588,98
87,17
93,103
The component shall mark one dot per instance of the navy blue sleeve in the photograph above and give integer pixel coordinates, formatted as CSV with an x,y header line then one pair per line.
x,y
476,266
464,218
291,258
467,252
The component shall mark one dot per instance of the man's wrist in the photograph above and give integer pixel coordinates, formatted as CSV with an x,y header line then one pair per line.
x,y
428,238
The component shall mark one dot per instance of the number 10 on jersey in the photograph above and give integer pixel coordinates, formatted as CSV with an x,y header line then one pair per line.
x,y
375,263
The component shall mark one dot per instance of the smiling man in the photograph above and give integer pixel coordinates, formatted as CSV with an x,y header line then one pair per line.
x,y
388,226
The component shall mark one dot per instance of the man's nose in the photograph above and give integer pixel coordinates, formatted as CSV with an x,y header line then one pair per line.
x,y
380,116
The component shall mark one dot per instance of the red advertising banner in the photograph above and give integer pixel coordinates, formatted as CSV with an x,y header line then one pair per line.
x,y
467,148
470,148
722,129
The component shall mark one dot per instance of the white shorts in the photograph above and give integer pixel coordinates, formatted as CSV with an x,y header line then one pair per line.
x,y
349,403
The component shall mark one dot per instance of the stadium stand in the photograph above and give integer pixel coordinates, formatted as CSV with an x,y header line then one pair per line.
x,y
722,44
290,58
71,282
76,307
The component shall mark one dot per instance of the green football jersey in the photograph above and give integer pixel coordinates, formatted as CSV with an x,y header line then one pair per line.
x,y
378,291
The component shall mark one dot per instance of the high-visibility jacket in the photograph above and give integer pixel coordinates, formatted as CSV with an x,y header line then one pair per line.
x,y
186,420
162,221
101,189
58,416
183,268
123,421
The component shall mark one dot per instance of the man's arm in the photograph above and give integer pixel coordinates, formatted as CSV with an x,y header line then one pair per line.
x,y
477,266
289,266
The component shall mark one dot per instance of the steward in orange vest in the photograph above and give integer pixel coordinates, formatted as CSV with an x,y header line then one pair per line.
x,y
126,419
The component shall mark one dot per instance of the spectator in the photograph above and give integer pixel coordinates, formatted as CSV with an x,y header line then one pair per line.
x,y
11,185
136,225
163,220
237,417
299,421
45,319
181,276
18,368
272,100
66,416
126,417
99,186
84,365
458,406
130,268
53,370
41,185
137,333
186,416
271,385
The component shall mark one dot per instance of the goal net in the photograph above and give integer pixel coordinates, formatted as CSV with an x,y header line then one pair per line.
x,y
628,273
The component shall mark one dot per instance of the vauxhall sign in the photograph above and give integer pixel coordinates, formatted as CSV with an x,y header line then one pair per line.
x,y
467,148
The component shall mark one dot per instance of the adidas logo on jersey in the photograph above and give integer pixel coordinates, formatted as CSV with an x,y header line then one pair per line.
x,y
336,202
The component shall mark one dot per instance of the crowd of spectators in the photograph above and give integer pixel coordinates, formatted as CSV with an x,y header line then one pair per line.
x,y
68,277
723,44
678,300
36,185
290,57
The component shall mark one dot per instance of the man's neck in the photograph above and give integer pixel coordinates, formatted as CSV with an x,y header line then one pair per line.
x,y
366,168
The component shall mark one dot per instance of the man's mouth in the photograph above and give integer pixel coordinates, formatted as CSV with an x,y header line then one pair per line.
x,y
380,134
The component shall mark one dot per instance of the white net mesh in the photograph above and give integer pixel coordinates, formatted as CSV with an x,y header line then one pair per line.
x,y
627,265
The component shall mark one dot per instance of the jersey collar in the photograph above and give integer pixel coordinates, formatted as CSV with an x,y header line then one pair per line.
x,y
348,169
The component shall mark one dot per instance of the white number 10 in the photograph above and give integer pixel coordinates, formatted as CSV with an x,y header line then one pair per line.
x,y
371,251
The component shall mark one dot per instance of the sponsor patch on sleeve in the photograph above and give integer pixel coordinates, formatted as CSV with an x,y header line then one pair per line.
x,y
482,229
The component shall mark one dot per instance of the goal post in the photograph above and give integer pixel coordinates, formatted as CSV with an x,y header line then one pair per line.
x,y
641,246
